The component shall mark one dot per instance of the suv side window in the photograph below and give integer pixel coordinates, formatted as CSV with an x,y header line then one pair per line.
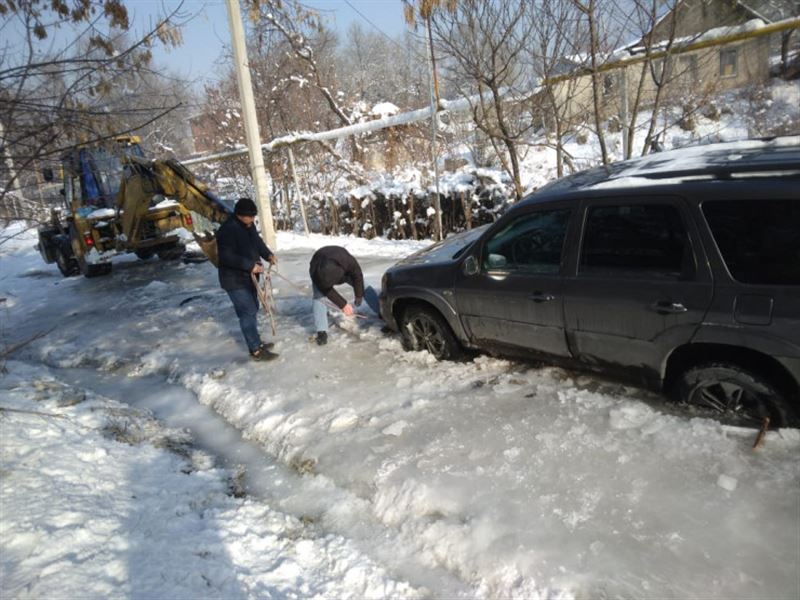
x,y
759,239
640,241
531,243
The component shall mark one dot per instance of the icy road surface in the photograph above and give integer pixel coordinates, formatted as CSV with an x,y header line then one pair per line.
x,y
489,478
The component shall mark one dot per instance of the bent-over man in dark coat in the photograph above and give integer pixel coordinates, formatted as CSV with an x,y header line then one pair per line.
x,y
240,250
330,266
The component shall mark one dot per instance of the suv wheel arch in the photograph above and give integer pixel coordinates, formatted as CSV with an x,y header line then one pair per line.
x,y
691,357
417,315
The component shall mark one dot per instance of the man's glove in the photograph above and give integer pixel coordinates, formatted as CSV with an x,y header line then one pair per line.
x,y
358,301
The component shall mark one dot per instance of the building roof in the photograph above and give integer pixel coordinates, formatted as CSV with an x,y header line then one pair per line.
x,y
771,11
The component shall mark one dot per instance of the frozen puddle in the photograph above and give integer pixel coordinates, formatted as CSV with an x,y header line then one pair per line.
x,y
178,408
313,499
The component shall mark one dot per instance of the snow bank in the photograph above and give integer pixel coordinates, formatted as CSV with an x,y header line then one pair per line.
x,y
99,500
376,247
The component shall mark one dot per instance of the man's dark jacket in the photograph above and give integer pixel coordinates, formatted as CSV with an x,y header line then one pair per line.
x,y
239,248
333,265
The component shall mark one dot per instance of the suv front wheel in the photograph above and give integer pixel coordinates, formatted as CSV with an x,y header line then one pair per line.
x,y
733,395
423,328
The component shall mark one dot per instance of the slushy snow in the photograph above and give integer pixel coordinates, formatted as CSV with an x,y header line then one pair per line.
x,y
402,476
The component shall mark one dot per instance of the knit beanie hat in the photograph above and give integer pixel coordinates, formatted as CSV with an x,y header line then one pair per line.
x,y
245,207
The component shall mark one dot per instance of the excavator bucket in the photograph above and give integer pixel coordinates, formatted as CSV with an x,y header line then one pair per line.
x,y
208,244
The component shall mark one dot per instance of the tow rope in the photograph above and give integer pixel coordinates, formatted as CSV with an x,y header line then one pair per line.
x,y
264,292
326,301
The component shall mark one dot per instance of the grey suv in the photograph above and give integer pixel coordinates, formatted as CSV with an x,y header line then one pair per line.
x,y
680,270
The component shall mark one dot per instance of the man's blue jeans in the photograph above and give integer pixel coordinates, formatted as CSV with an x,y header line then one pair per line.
x,y
321,308
245,302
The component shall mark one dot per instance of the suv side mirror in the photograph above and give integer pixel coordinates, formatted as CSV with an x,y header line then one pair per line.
x,y
470,265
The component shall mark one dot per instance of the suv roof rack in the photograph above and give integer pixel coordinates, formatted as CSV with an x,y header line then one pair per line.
x,y
720,161
724,172
717,161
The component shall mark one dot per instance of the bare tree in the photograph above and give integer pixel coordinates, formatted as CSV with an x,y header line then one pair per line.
x,y
52,98
555,24
590,10
302,30
372,67
483,44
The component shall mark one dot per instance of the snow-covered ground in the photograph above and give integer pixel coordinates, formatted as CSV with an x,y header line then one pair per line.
x,y
389,474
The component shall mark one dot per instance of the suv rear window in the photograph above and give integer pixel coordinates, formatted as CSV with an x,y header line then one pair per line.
x,y
759,239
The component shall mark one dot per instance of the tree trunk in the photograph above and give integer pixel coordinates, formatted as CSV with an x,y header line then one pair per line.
x,y
374,223
287,200
412,217
466,205
334,216
293,172
511,147
785,37
595,50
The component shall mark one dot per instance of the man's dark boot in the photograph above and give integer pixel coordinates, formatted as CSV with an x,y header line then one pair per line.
x,y
262,354
267,346
322,338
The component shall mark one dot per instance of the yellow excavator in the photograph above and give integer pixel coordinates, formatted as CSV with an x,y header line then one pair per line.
x,y
115,200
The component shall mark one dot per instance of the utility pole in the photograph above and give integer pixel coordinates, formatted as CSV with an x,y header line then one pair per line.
x,y
260,181
623,112
434,123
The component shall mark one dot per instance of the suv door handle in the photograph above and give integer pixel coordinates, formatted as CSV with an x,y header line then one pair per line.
x,y
665,307
540,297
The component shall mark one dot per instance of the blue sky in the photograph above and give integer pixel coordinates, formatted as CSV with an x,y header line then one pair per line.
x,y
206,30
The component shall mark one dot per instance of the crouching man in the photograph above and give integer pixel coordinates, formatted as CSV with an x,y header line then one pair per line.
x,y
330,266
240,250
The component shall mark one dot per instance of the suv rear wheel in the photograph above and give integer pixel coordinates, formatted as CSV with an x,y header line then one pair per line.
x,y
733,395
423,328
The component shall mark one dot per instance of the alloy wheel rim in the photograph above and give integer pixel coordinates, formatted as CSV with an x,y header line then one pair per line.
x,y
733,401
427,336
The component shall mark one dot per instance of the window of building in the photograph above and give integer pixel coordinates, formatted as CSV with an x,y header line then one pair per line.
x,y
687,68
608,85
728,62
639,241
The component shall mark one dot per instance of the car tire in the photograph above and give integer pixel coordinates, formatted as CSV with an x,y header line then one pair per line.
x,y
145,253
65,259
423,328
173,252
733,395
47,244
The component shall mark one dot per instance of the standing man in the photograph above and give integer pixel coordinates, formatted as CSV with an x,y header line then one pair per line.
x,y
240,250
330,266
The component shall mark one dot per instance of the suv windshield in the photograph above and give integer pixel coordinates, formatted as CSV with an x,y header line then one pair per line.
x,y
759,239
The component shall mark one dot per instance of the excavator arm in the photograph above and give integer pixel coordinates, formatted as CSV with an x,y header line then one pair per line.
x,y
143,179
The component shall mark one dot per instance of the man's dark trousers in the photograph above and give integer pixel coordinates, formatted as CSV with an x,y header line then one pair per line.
x,y
245,303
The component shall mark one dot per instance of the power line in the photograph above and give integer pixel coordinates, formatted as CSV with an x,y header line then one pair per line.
x,y
378,29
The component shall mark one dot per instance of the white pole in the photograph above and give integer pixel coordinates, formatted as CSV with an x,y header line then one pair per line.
x,y
434,122
257,171
623,112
